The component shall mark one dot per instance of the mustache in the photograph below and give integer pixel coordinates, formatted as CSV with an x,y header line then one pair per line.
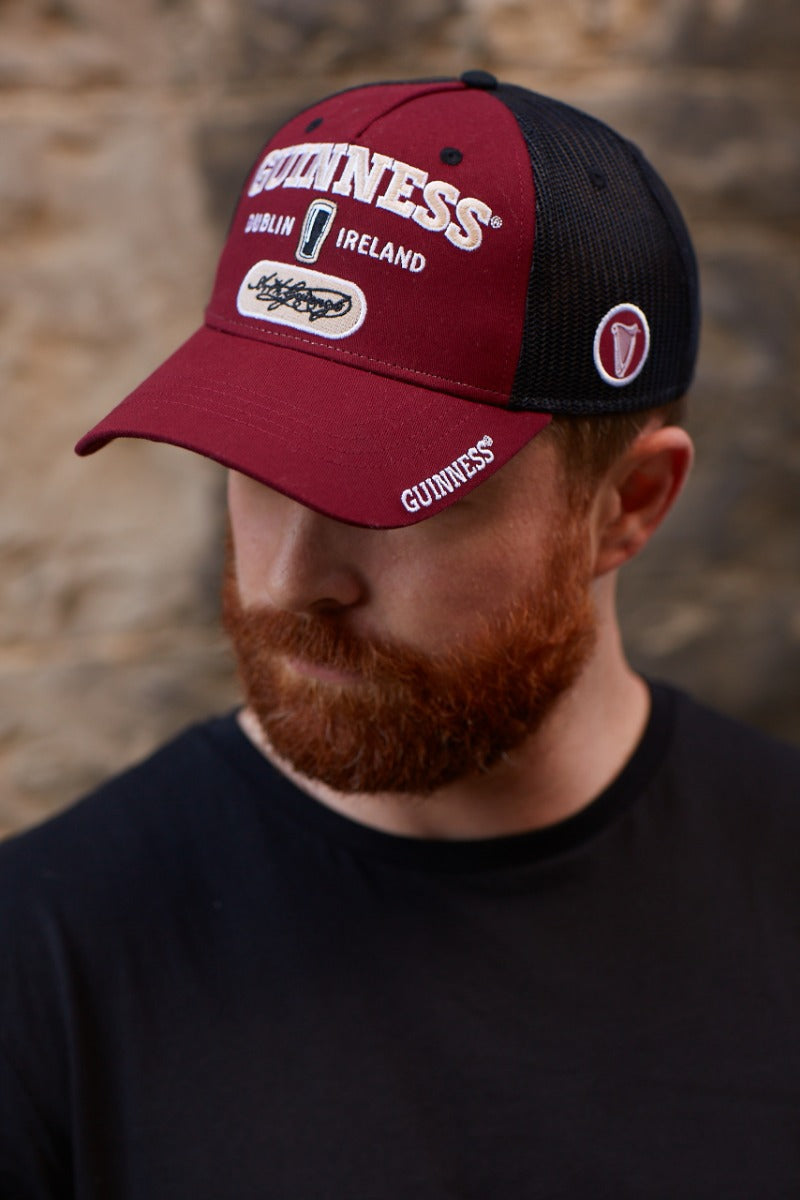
x,y
265,633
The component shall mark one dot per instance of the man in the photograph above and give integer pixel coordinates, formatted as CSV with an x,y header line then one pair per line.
x,y
458,905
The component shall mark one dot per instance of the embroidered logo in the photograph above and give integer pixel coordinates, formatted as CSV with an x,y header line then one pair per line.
x,y
621,344
445,481
259,222
342,169
316,227
320,304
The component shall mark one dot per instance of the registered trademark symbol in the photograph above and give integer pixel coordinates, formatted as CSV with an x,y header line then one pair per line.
x,y
496,222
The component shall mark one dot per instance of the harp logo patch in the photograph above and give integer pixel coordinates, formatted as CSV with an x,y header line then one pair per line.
x,y
621,344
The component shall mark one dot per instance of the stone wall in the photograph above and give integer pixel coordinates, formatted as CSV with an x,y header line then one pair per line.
x,y
126,127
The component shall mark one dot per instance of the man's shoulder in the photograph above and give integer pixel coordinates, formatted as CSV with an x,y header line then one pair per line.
x,y
716,742
740,778
131,814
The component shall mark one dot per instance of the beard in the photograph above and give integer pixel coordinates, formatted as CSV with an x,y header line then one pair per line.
x,y
413,722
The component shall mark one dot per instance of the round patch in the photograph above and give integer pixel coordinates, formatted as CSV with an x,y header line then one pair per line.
x,y
621,344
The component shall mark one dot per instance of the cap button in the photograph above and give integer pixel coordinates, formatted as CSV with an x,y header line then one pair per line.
x,y
479,79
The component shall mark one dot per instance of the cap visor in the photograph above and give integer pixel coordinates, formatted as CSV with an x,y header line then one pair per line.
x,y
349,443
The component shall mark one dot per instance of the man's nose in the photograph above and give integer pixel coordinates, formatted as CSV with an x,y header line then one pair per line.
x,y
289,556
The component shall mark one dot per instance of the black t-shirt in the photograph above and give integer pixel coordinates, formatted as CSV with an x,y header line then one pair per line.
x,y
215,988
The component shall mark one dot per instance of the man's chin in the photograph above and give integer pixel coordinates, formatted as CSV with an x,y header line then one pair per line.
x,y
370,739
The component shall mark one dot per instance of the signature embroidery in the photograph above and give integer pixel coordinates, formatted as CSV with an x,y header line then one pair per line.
x,y
281,294
315,303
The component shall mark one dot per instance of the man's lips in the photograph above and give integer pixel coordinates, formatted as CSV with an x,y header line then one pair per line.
x,y
320,671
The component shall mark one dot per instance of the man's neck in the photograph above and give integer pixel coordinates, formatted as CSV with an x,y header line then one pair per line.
x,y
581,746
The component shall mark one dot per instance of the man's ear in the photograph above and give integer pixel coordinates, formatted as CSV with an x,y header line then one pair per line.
x,y
638,492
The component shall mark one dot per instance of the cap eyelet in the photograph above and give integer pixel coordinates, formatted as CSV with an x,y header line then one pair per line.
x,y
315,124
450,156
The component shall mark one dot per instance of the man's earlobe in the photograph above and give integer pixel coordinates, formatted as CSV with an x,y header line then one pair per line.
x,y
638,492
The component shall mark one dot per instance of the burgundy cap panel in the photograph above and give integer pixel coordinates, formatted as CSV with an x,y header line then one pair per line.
x,y
403,247
345,115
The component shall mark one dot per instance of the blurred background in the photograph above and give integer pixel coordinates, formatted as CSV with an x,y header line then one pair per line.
x,y
127,128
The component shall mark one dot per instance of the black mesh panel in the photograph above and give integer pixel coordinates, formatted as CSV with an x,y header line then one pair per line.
x,y
607,232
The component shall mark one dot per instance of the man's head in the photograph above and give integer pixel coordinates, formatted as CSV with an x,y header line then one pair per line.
x,y
420,279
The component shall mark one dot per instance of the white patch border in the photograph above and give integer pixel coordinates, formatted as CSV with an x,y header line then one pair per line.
x,y
275,317
602,372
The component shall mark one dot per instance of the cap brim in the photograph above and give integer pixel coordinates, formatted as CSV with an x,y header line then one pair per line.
x,y
357,446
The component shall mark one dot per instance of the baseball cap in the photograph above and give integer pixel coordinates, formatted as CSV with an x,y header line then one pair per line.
x,y
417,277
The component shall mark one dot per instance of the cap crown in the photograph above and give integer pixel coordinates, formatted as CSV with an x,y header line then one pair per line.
x,y
470,239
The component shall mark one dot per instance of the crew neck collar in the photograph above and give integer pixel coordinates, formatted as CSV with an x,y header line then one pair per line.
x,y
291,804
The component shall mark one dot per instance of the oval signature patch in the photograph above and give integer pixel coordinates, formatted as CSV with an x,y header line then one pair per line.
x,y
321,304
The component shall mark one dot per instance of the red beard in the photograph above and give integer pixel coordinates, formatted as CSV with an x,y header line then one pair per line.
x,y
413,722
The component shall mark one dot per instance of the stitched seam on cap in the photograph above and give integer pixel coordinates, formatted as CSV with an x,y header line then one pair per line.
x,y
351,354
444,86
238,418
